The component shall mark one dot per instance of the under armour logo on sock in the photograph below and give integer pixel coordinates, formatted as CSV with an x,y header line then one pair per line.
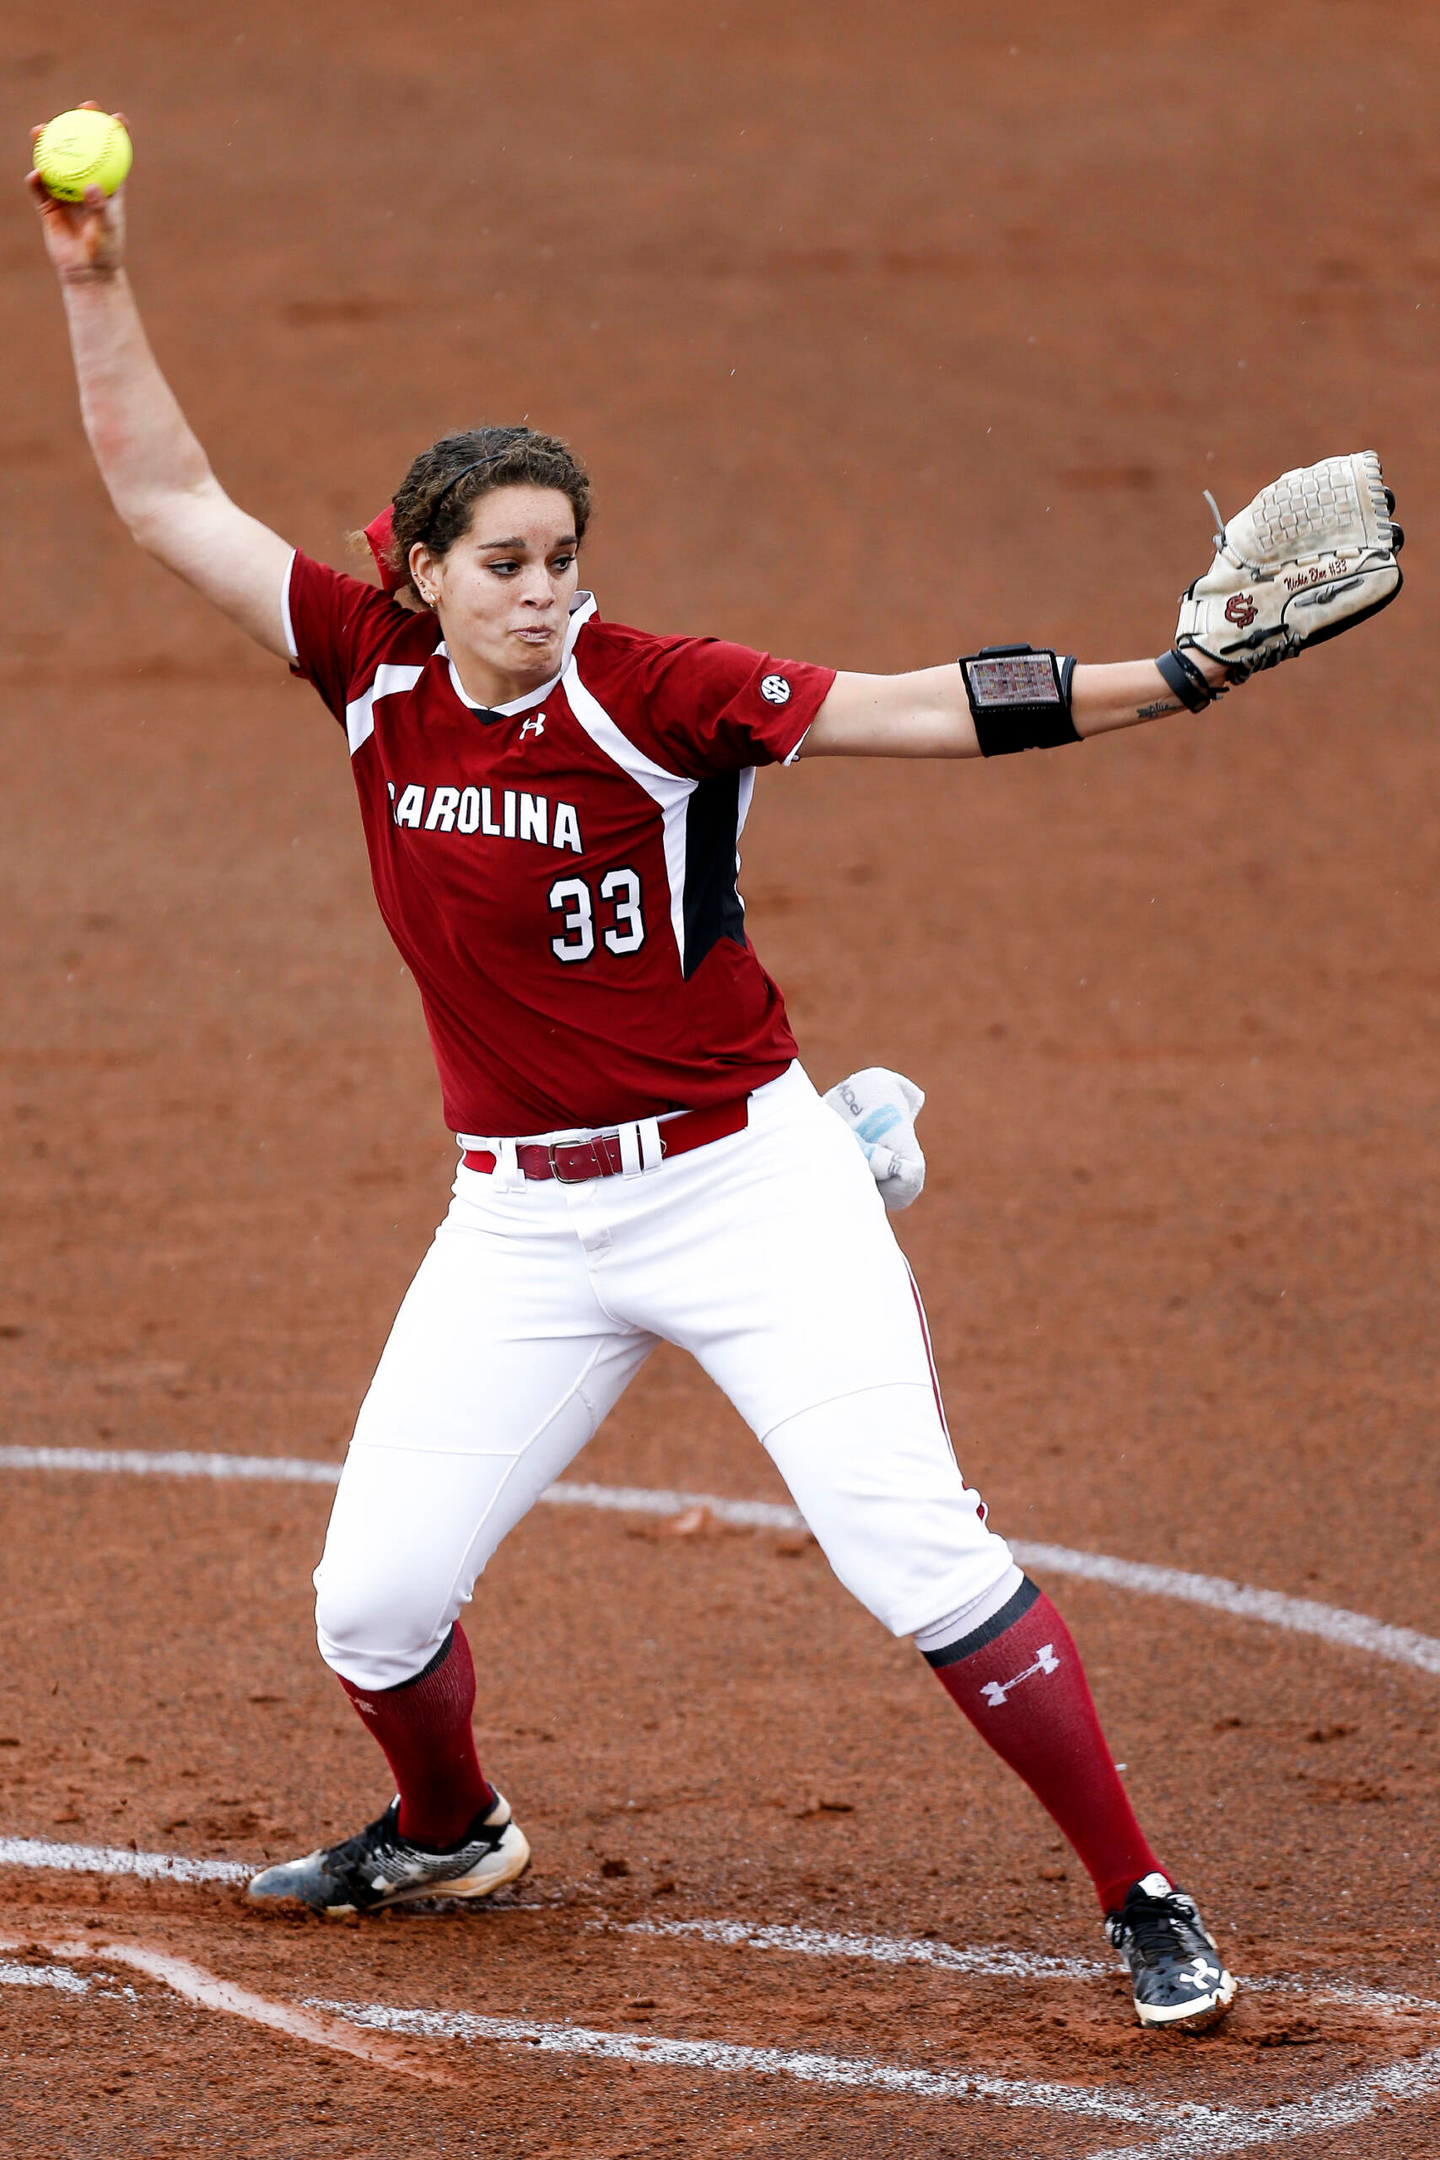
x,y
995,1691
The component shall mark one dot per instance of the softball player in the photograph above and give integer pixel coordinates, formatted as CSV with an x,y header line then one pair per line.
x,y
552,805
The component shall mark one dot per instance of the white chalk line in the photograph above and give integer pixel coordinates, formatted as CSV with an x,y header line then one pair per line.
x,y
193,1984
985,1960
118,1860
1389,2001
668,2051
1336,2108
978,1960
1301,1616
991,1960
1188,2130
337,2025
1192,2136
148,1462
59,1977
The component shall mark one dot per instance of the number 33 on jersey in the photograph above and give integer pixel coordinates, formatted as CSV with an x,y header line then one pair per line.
x,y
560,874
625,934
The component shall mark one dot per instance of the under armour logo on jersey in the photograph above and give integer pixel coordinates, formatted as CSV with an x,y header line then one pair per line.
x,y
775,690
538,723
995,1691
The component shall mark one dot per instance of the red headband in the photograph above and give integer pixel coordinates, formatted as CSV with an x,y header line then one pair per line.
x,y
380,533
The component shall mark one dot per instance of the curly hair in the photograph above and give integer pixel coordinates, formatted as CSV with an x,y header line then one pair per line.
x,y
434,501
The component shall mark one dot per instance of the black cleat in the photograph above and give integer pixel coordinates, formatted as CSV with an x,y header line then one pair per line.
x,y
379,1867
1178,1974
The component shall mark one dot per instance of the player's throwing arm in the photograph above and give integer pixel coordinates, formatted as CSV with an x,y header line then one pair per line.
x,y
552,805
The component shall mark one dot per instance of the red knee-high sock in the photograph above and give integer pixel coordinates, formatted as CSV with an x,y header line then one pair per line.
x,y
1020,1682
424,1727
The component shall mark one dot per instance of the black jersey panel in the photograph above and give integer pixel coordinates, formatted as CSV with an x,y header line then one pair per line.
x,y
712,836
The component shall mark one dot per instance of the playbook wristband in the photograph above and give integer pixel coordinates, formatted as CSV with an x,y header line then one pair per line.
x,y
1019,698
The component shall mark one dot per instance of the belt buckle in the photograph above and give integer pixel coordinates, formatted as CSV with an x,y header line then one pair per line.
x,y
556,1172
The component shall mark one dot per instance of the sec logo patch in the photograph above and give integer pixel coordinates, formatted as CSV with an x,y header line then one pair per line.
x,y
775,690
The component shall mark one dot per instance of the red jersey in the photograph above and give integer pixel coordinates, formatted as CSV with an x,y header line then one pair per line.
x,y
559,874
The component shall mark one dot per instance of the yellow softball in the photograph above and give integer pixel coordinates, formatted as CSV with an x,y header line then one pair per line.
x,y
82,149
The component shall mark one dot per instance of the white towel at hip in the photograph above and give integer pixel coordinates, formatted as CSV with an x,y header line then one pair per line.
x,y
880,1108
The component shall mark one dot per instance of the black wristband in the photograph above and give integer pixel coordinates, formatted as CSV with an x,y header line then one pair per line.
x,y
1019,698
1185,680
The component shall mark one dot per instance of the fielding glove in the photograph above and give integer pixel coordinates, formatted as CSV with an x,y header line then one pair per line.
x,y
1313,555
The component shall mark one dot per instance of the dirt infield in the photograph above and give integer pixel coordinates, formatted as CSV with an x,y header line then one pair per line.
x,y
885,335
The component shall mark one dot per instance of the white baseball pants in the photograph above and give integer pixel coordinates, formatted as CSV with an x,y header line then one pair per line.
x,y
768,1256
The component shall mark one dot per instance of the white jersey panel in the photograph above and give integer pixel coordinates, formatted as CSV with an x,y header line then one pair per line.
x,y
290,645
360,713
668,789
582,607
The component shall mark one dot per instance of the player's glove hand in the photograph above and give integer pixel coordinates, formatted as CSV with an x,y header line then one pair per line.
x,y
880,1108
1313,555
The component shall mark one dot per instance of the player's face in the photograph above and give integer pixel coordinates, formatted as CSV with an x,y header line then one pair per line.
x,y
503,591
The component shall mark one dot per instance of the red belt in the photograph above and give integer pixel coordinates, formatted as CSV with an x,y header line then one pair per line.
x,y
571,1162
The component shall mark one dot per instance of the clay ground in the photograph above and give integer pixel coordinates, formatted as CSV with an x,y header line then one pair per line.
x,y
887,333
